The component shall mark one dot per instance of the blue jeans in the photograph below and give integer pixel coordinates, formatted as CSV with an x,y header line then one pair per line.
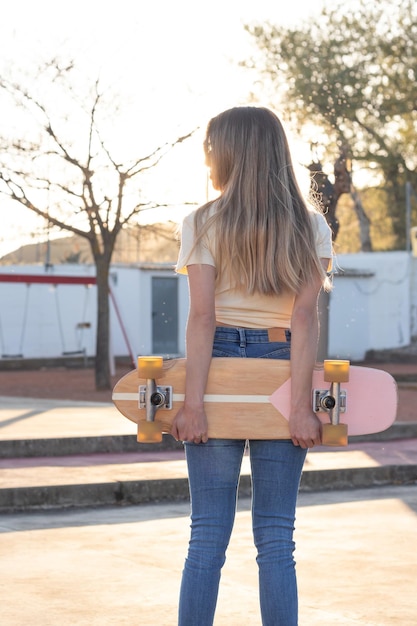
x,y
214,470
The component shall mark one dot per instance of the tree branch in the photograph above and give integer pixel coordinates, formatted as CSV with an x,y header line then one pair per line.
x,y
17,194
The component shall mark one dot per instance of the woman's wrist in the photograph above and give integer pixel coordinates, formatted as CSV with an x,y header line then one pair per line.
x,y
193,403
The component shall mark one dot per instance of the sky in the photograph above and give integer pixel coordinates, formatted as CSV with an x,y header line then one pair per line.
x,y
176,63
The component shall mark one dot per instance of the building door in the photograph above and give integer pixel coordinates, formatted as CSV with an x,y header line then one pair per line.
x,y
164,315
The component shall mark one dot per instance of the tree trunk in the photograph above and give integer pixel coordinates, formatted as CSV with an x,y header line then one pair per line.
x,y
102,363
396,197
364,223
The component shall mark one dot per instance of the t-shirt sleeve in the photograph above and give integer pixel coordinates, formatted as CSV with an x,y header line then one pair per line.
x,y
323,237
189,255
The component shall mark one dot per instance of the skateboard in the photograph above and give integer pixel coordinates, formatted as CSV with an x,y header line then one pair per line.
x,y
250,398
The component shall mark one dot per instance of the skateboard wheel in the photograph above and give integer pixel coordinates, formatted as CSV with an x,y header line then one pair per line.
x,y
334,435
150,366
149,432
336,371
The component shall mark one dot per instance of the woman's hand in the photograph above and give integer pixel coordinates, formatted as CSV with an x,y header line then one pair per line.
x,y
305,429
190,424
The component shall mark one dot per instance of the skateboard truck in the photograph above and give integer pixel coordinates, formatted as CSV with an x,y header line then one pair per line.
x,y
333,401
151,397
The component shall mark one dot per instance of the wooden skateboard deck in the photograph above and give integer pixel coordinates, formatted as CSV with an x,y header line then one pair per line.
x,y
250,398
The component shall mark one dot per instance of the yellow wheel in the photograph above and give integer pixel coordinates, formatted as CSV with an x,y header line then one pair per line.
x,y
336,371
335,435
149,432
150,366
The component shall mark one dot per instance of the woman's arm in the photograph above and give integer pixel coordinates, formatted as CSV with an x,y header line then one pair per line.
x,y
190,423
305,426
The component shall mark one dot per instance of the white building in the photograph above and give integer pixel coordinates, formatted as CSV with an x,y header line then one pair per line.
x,y
373,306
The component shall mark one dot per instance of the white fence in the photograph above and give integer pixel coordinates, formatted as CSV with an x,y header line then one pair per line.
x,y
373,306
374,303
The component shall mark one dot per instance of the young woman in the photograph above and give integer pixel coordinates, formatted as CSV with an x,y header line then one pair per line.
x,y
256,259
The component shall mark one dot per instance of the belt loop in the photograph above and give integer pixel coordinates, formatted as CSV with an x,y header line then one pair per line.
x,y
242,337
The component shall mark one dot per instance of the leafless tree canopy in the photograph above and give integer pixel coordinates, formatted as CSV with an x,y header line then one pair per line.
x,y
61,160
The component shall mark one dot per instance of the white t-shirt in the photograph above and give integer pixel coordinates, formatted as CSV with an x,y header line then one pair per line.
x,y
236,307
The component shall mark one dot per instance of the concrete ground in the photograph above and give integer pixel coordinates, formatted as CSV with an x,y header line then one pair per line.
x,y
356,563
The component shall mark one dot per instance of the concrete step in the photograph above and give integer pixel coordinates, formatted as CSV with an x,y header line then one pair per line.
x,y
41,446
142,477
67,446
60,454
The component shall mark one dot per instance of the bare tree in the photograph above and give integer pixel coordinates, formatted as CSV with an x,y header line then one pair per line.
x,y
59,162
329,194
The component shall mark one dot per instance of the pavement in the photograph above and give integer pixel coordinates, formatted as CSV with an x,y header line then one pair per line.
x,y
94,526
121,566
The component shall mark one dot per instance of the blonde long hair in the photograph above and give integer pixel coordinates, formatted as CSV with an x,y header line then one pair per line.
x,y
261,226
